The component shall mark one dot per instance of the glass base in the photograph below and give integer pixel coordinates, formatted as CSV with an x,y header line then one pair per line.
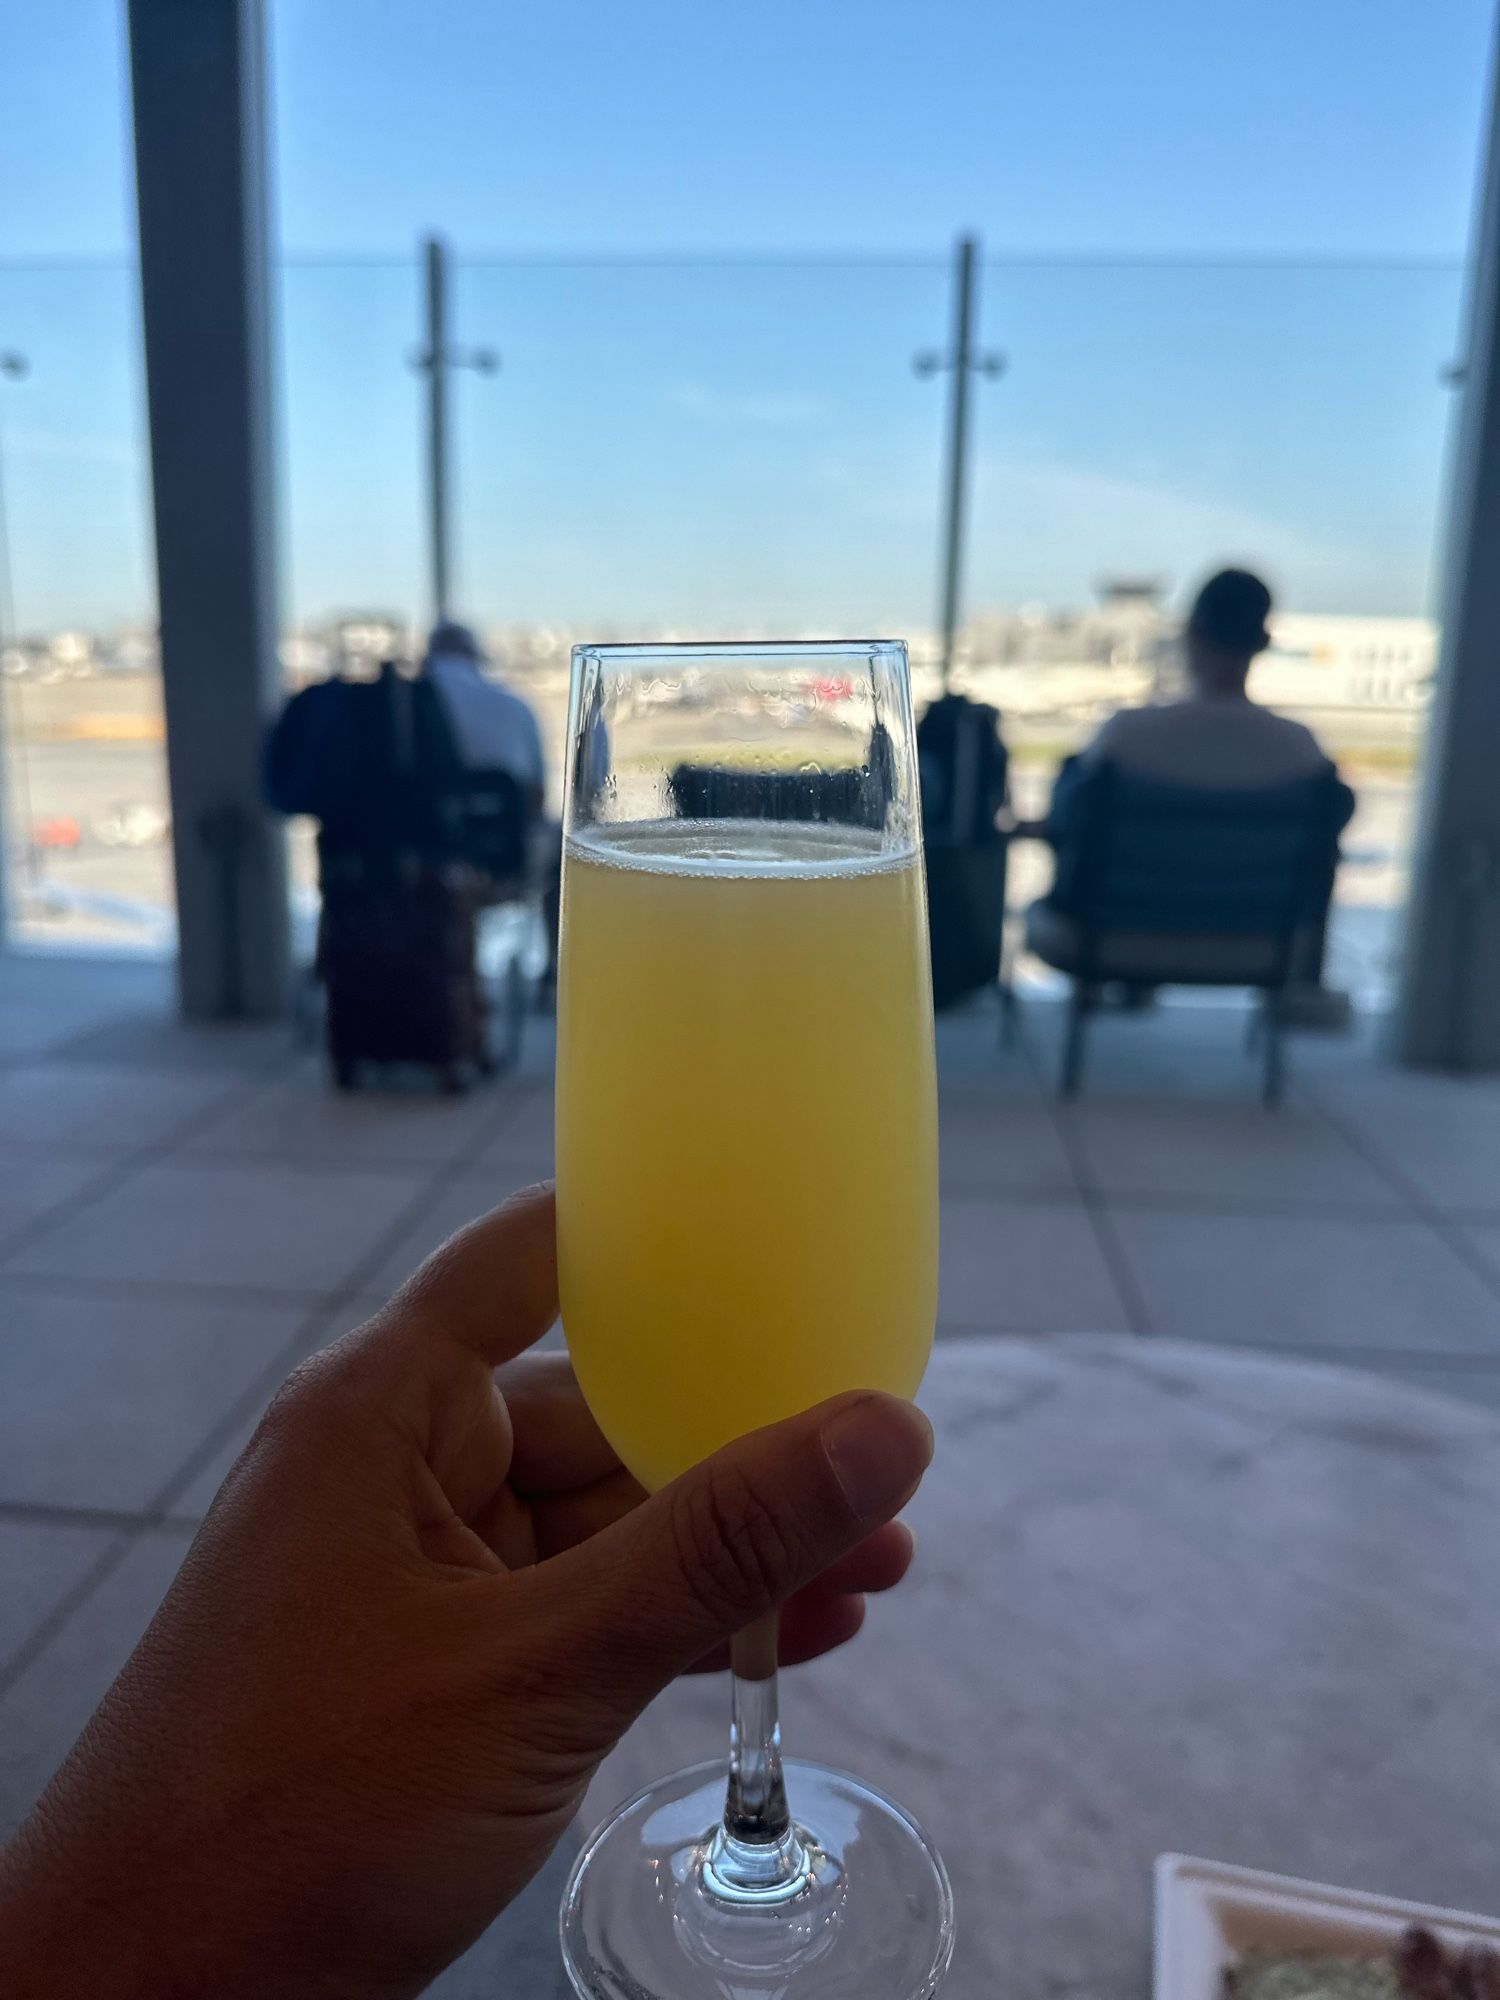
x,y
648,1915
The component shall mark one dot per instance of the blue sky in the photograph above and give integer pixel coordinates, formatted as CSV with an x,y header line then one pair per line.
x,y
715,440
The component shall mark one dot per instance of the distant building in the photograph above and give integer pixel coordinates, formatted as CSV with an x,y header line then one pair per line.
x,y
135,649
23,659
353,643
1324,659
304,659
1075,666
71,656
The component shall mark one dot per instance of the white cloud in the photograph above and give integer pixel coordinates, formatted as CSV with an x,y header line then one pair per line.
x,y
767,409
97,448
1049,529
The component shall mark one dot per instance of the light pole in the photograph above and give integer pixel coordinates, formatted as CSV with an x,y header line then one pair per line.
x,y
14,367
434,361
962,360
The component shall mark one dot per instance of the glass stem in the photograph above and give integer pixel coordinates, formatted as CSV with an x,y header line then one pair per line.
x,y
756,1807
755,1854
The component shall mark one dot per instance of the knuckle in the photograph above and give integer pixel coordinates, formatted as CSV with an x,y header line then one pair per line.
x,y
735,1549
286,1412
318,1426
310,1399
299,1397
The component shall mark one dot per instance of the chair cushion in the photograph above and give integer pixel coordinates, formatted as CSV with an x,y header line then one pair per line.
x,y
1160,957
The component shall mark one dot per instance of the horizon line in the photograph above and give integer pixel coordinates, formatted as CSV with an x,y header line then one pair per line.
x,y
910,259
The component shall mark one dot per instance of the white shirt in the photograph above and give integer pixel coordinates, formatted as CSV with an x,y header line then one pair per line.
x,y
1221,742
494,729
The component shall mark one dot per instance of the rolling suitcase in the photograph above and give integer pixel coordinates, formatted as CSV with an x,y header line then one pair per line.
x,y
396,958
375,762
411,847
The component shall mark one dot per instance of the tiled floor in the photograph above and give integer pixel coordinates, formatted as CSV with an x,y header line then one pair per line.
x,y
185,1213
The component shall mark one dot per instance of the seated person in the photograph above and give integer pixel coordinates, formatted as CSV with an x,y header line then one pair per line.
x,y
493,728
1215,735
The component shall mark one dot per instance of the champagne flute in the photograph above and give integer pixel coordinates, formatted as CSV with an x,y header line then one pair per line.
x,y
747,1224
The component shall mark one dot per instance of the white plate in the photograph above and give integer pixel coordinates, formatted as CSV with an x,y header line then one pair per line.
x,y
1209,1914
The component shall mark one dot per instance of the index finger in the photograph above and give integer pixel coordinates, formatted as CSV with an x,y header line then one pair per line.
x,y
558,1445
491,1288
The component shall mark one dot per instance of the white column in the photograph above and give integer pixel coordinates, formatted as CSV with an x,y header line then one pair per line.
x,y
198,84
1449,1013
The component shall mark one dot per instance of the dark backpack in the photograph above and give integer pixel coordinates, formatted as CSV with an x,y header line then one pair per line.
x,y
964,769
372,761
303,748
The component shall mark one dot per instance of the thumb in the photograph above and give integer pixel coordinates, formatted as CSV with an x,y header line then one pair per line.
x,y
644,1600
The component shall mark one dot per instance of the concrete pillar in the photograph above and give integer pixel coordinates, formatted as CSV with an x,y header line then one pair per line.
x,y
198,84
1449,1013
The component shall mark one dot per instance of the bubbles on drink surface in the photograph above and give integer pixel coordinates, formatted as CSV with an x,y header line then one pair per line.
x,y
741,848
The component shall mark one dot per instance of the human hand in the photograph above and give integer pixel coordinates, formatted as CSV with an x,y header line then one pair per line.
x,y
424,1605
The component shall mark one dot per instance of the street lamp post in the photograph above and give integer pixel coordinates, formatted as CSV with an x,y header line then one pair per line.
x,y
961,361
434,360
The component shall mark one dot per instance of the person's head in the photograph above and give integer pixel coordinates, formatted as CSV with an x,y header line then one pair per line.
x,y
1225,630
449,640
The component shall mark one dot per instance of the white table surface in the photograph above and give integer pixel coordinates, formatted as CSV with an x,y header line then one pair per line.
x,y
1165,1598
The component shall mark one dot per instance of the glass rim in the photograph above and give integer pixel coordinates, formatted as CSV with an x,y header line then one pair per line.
x,y
740,649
